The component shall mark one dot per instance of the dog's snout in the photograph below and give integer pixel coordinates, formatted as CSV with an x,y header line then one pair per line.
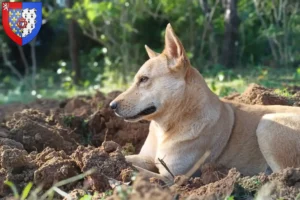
x,y
113,105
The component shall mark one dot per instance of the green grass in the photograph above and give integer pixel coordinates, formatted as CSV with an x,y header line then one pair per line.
x,y
225,82
29,194
283,92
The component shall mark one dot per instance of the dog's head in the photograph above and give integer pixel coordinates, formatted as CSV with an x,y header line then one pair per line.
x,y
158,85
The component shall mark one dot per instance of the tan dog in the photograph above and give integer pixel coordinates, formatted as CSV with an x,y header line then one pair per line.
x,y
188,119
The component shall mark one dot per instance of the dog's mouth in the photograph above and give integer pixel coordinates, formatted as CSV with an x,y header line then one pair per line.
x,y
147,111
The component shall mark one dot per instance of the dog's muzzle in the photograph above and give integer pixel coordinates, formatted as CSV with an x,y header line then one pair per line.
x,y
147,111
144,112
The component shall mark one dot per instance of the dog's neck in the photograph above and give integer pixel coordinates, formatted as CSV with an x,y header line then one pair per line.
x,y
199,117
201,103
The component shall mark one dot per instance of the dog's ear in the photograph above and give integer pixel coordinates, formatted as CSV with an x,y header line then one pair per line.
x,y
174,48
150,52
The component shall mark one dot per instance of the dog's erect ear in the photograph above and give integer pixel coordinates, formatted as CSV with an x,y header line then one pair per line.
x,y
174,48
150,52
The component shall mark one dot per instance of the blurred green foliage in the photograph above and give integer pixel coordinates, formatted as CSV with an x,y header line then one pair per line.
x,y
111,35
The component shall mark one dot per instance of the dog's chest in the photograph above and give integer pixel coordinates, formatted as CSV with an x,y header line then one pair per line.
x,y
179,159
179,151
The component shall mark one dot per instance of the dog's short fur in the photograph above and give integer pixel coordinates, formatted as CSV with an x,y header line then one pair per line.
x,y
187,119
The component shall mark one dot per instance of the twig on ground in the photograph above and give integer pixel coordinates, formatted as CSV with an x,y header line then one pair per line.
x,y
165,166
62,193
198,164
195,167
105,136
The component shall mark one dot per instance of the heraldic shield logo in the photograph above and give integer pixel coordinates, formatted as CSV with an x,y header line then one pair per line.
x,y
22,20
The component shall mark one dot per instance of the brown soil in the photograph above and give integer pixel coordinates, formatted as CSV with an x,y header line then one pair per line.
x,y
6,111
107,160
49,141
53,166
142,190
256,94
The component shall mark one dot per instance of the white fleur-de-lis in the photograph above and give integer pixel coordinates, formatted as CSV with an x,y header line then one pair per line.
x,y
5,6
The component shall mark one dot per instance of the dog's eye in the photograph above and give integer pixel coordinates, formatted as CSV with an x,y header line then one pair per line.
x,y
143,79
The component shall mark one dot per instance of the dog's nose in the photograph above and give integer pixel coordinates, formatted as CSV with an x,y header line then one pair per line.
x,y
113,105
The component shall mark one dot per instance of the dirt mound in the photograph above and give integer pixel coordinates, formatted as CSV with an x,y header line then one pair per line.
x,y
105,123
295,90
38,142
37,131
79,193
102,122
84,105
43,105
195,188
253,183
6,111
56,163
256,94
16,165
50,166
142,189
64,125
107,161
282,185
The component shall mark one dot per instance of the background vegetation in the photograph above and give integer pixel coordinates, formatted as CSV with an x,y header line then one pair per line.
x,y
86,45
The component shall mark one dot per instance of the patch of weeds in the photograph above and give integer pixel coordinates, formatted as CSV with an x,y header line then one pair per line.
x,y
128,149
224,88
67,120
13,188
25,191
86,197
89,197
106,194
100,104
225,91
283,92
123,192
230,198
213,86
241,193
80,126
84,129
258,182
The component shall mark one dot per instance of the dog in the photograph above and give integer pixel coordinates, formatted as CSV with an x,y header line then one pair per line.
x,y
188,120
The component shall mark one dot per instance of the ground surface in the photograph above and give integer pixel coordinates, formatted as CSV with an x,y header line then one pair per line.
x,y
48,141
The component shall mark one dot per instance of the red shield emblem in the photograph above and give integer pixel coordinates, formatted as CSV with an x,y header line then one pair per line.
x,y
22,20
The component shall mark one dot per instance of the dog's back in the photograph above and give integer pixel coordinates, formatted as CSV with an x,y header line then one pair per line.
x,y
243,150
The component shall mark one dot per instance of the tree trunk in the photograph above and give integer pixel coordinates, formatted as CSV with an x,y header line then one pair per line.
x,y
24,60
34,64
230,43
73,47
209,30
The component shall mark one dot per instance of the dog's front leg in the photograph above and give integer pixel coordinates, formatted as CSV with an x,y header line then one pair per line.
x,y
169,180
145,162
145,159
146,166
